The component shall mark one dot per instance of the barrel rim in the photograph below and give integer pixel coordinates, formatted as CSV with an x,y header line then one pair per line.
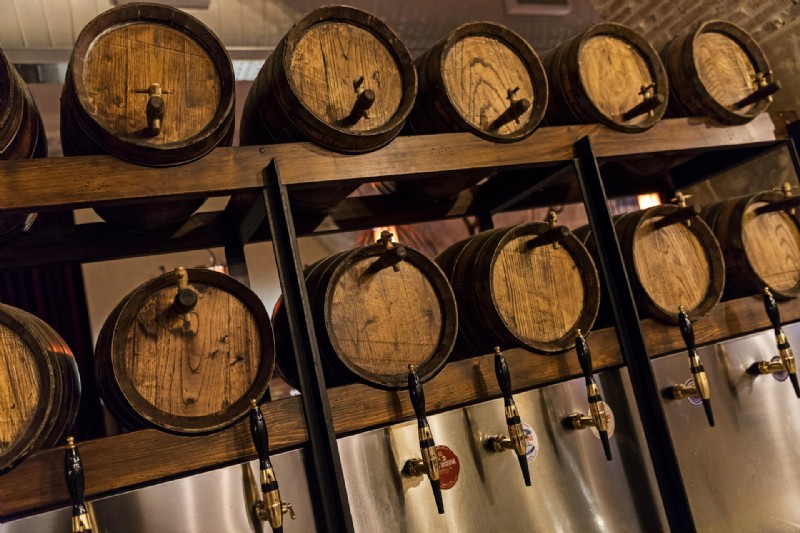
x,y
713,253
7,72
447,301
168,154
750,47
589,277
530,60
765,196
652,60
146,412
297,110
12,317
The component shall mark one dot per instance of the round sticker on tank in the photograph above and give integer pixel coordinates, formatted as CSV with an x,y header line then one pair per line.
x,y
614,74
724,68
482,77
609,420
539,293
779,376
694,400
672,265
531,442
385,321
124,62
333,62
449,467
772,244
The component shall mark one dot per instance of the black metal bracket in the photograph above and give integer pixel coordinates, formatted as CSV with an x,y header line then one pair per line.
x,y
792,140
326,479
631,340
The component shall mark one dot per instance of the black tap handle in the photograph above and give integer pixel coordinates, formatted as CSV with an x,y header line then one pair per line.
x,y
503,376
258,430
73,471
584,357
416,393
772,310
687,330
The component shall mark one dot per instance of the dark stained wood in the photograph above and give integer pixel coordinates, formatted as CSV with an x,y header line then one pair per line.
x,y
58,183
509,295
141,458
314,83
191,372
711,67
39,386
677,265
482,78
602,74
22,135
371,324
121,55
760,250
37,484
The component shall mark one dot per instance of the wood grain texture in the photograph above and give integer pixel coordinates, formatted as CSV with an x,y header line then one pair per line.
x,y
326,62
724,68
143,458
58,183
478,72
672,265
613,73
37,484
20,384
772,244
134,56
386,321
193,365
539,293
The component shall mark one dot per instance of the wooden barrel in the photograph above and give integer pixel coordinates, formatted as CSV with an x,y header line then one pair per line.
x,y
39,386
672,265
482,78
761,249
372,322
162,361
22,135
513,295
340,78
151,85
610,75
713,67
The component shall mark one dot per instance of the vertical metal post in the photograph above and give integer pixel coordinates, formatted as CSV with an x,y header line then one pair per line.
x,y
326,478
631,341
793,130
237,265
485,222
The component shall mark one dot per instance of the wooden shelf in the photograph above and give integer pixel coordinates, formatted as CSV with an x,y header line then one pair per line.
x,y
76,182
146,457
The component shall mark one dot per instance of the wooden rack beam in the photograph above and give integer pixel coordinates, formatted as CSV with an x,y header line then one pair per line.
x,y
75,182
146,457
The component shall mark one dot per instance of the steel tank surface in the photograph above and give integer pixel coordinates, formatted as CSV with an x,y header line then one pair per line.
x,y
220,501
742,474
573,487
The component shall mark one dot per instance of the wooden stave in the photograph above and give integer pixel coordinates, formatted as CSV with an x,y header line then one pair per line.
x,y
569,102
54,417
118,401
81,135
626,226
689,97
185,151
468,264
321,280
434,112
725,220
22,136
284,104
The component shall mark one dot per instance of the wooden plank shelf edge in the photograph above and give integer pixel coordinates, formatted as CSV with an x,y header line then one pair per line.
x,y
75,182
146,457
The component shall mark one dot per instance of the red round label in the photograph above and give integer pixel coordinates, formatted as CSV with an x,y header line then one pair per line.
x,y
449,467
